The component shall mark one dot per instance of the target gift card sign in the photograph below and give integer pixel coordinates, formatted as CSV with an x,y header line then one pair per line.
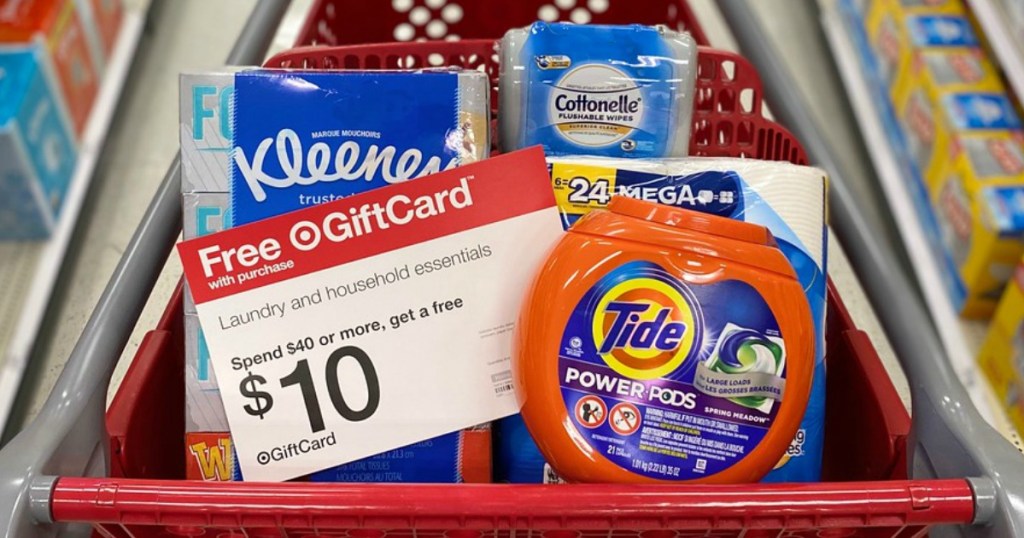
x,y
369,323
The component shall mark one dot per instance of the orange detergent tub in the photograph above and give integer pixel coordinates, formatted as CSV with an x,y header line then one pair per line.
x,y
661,344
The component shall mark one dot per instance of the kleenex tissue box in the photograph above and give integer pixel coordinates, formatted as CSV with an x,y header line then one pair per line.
x,y
37,152
306,137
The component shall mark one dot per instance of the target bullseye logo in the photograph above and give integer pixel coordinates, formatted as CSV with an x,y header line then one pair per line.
x,y
305,235
591,411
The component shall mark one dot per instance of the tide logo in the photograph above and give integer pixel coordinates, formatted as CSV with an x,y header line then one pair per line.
x,y
644,328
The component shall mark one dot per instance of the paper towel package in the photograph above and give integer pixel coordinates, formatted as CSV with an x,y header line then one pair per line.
x,y
311,137
787,199
37,149
616,91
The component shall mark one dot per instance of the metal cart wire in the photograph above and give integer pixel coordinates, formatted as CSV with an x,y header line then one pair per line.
x,y
64,476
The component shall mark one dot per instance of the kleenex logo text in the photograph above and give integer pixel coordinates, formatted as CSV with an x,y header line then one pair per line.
x,y
350,163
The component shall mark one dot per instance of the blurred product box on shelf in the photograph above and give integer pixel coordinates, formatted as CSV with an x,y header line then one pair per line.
x,y
894,29
101,20
57,25
961,134
979,206
1002,355
460,457
925,94
37,150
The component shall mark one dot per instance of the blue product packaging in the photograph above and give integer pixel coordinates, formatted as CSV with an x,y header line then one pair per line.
x,y
302,138
941,31
37,149
313,137
462,456
975,110
617,91
787,199
517,460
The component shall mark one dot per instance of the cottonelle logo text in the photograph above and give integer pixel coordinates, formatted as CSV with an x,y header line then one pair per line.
x,y
644,328
596,105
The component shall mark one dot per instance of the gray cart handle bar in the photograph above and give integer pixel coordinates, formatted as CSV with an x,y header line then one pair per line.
x,y
950,438
68,437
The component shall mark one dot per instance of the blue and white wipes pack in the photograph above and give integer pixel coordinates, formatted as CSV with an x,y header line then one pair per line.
x,y
615,91
787,199
306,137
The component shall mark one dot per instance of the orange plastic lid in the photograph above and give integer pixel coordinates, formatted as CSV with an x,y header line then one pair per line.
x,y
661,344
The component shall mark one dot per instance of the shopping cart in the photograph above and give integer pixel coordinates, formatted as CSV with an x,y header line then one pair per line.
x,y
61,475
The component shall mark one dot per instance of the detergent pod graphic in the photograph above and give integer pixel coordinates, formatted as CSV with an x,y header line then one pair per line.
x,y
662,344
749,355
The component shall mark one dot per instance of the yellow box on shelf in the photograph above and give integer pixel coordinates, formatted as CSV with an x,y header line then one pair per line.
x,y
895,28
979,209
923,109
1002,355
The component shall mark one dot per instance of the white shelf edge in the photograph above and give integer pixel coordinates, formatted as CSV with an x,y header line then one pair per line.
x,y
926,266
51,257
1006,44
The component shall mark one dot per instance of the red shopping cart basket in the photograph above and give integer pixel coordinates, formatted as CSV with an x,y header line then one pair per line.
x,y
866,492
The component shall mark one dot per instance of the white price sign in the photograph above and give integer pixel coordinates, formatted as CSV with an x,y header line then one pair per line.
x,y
348,329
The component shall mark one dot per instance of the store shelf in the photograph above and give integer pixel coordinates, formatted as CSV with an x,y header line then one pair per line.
x,y
1007,41
30,269
807,62
960,338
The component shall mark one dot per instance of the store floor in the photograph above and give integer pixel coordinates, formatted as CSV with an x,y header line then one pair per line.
x,y
195,35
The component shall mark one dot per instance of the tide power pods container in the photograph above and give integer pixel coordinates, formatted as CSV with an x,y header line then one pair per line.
x,y
662,344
